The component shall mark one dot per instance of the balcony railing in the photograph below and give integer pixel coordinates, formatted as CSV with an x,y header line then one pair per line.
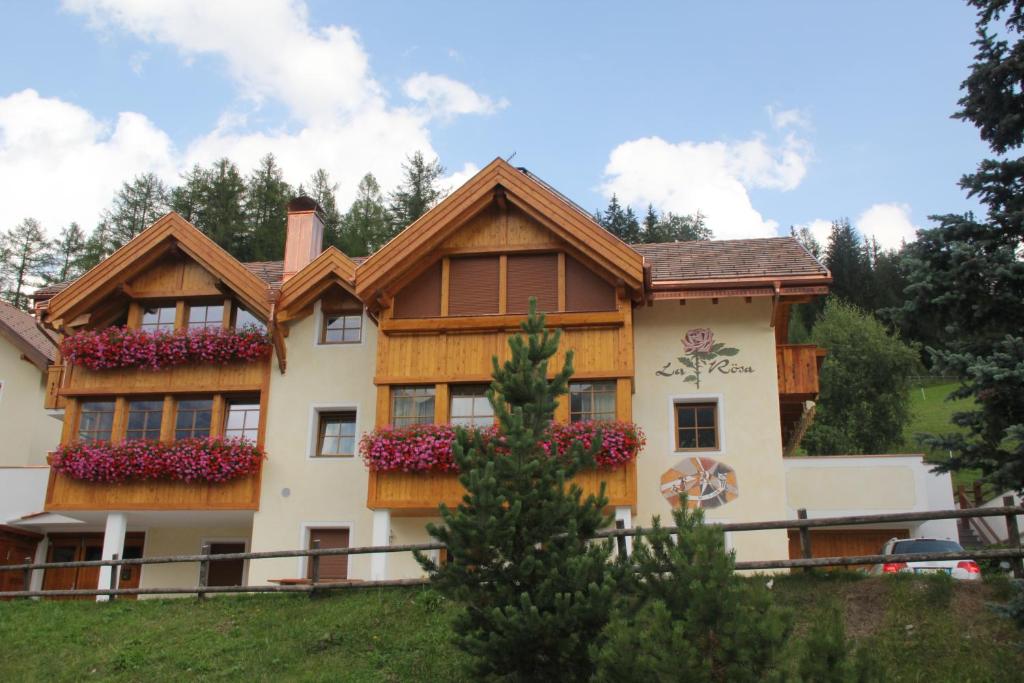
x,y
798,367
419,493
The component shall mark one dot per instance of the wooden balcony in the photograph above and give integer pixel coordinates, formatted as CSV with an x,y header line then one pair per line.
x,y
65,493
798,366
414,494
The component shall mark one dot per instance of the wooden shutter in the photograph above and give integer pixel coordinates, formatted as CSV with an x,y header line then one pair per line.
x,y
331,566
421,298
532,275
584,290
473,285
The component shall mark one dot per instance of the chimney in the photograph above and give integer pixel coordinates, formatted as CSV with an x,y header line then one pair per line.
x,y
304,239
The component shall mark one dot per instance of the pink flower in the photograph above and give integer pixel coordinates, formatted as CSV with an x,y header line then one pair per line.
x,y
698,340
122,347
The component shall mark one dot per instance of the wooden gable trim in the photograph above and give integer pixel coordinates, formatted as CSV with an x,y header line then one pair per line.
x,y
414,247
169,232
330,268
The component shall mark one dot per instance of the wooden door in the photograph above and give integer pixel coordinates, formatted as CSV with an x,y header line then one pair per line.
x,y
62,550
332,567
15,548
89,577
226,572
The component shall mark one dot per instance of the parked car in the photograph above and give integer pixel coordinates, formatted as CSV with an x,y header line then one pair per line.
x,y
964,570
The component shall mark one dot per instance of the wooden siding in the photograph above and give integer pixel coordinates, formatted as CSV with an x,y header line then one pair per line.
x,y
65,493
174,278
411,494
203,378
798,366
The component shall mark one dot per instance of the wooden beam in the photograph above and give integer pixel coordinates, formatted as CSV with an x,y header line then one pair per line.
x,y
500,322
446,274
502,284
561,281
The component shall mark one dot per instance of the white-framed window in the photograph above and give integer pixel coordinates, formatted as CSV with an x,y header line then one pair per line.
x,y
698,423
336,434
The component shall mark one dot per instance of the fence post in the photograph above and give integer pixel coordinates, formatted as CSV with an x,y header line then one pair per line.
x,y
204,571
314,568
27,576
1013,538
805,539
620,541
115,573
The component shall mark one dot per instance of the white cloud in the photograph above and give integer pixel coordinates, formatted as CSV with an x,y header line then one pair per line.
x,y
458,178
820,229
788,118
710,177
341,117
60,164
137,62
889,224
446,97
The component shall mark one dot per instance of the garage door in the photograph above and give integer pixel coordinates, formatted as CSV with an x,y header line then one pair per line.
x,y
844,542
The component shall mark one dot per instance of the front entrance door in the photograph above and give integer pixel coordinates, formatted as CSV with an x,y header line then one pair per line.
x,y
87,547
226,572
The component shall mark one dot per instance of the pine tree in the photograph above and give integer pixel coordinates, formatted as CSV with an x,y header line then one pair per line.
x,y
136,205
324,191
675,228
266,200
846,258
365,228
621,222
97,247
187,198
68,252
535,593
418,193
685,615
968,275
28,257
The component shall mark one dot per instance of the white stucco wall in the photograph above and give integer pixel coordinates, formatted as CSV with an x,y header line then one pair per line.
x,y
840,485
751,442
28,432
22,491
321,492
183,540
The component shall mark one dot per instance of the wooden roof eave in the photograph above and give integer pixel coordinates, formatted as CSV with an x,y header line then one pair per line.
x,y
170,231
332,267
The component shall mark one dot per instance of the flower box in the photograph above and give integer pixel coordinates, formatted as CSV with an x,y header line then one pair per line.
x,y
211,460
428,448
123,347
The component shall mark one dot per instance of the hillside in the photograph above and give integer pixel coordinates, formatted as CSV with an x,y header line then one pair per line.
x,y
919,630
931,414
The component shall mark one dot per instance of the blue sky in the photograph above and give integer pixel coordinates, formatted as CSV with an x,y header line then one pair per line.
x,y
761,115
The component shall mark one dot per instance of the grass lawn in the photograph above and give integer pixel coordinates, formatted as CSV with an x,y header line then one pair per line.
x,y
930,415
919,630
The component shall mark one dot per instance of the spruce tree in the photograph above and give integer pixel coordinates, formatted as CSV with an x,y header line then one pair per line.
x,y
68,251
135,206
419,192
621,222
324,191
28,257
685,615
266,199
365,227
534,592
97,247
847,259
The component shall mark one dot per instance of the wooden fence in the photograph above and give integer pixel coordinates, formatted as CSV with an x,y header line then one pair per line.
x,y
1014,555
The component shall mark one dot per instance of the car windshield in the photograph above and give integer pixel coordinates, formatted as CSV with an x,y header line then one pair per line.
x,y
925,546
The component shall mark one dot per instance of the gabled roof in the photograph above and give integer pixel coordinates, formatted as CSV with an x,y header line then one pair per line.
x,y
329,268
20,329
170,232
410,250
768,259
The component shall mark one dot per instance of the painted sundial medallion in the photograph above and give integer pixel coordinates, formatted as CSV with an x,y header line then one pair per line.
x,y
706,483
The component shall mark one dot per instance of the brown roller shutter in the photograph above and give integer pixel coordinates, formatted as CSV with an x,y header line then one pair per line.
x,y
532,275
584,290
421,298
473,285
331,566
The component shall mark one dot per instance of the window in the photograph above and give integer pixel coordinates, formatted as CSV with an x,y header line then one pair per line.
x,y
144,419
337,434
211,316
341,328
591,401
412,405
244,318
332,567
243,420
532,275
473,285
470,407
96,421
696,426
193,418
158,319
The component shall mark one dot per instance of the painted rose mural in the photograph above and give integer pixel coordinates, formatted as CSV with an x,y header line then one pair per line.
x,y
706,483
702,355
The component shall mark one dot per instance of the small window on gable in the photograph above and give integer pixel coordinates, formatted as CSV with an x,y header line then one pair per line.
x,y
473,285
421,298
336,435
158,318
341,320
206,316
696,426
532,275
